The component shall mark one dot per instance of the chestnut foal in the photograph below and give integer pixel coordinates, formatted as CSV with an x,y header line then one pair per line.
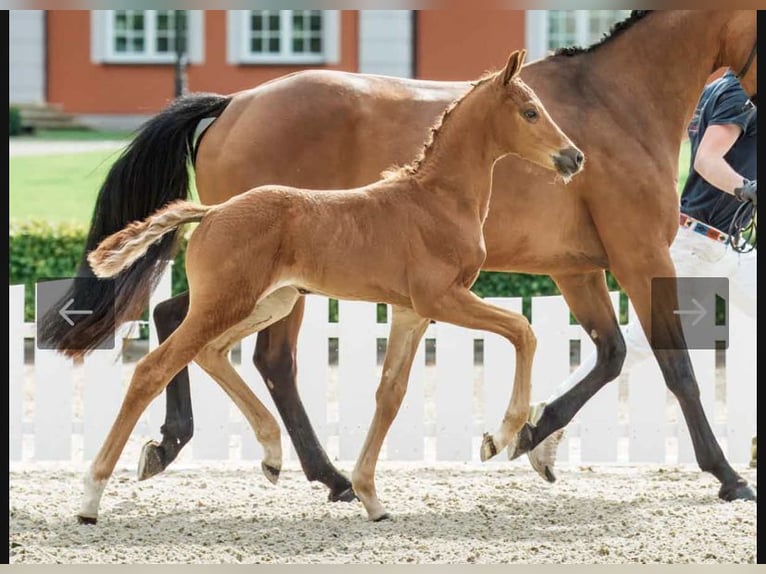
x,y
413,239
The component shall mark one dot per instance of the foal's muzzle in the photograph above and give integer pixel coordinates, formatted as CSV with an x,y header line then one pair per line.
x,y
569,161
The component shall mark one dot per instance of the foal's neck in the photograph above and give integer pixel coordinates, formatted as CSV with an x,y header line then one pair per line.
x,y
458,163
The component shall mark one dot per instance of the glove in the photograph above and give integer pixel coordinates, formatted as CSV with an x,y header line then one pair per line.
x,y
748,192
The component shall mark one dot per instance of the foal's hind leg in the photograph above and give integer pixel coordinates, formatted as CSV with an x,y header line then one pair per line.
x,y
274,357
407,329
215,361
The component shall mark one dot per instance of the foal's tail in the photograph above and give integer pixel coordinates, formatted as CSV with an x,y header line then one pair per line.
x,y
152,172
122,249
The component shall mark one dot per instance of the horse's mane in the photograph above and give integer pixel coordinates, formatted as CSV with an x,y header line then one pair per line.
x,y
615,30
397,172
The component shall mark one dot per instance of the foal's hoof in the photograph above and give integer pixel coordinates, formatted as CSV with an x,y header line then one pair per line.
x,y
86,519
488,448
740,490
382,517
150,460
271,472
346,495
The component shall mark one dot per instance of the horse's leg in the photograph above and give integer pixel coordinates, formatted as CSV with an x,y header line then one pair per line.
x,y
462,307
677,368
588,299
179,421
215,362
407,329
151,375
275,359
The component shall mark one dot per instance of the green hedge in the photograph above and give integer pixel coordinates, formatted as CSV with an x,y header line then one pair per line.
x,y
14,121
40,250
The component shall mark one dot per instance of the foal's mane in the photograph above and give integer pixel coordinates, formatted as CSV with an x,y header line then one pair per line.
x,y
399,172
615,30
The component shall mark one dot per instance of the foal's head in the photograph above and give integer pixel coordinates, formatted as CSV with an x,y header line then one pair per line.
x,y
523,126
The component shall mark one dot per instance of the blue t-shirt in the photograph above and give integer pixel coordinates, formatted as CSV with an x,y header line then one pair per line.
x,y
723,102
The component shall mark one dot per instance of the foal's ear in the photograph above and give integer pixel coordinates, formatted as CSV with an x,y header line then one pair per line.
x,y
513,67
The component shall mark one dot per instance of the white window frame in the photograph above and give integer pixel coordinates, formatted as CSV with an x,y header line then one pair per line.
x,y
239,34
102,40
537,32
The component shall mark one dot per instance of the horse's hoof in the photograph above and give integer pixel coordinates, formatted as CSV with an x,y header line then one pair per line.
x,y
150,460
740,490
382,517
523,438
271,472
346,495
543,456
86,519
488,448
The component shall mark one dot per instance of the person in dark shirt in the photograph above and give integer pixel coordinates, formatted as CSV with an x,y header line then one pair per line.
x,y
722,134
722,177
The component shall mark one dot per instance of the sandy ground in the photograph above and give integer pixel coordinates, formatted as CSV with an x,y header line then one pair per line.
x,y
443,513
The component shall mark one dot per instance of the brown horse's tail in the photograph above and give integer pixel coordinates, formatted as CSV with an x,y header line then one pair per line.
x,y
122,249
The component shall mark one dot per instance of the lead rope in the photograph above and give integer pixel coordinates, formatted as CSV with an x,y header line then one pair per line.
x,y
742,235
743,228
750,58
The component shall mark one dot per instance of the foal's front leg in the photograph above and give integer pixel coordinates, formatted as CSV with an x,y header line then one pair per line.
x,y
460,306
407,329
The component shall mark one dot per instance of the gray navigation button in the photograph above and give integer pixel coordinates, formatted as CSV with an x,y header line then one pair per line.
x,y
702,306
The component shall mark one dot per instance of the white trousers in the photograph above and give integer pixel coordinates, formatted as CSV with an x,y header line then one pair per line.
x,y
694,255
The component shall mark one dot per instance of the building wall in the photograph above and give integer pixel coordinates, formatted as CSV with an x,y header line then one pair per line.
x,y
463,44
26,56
81,86
385,42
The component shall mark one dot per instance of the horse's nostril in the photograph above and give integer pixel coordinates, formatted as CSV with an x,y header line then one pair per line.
x,y
579,158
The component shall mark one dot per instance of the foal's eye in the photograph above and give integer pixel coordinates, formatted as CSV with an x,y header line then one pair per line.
x,y
530,114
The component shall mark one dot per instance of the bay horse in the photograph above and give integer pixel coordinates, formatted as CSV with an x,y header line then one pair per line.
x,y
412,239
626,100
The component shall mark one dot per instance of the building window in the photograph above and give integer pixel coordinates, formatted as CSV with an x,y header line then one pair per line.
x,y
284,36
144,36
549,30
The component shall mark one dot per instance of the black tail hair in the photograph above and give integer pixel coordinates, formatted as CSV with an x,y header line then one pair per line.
x,y
150,173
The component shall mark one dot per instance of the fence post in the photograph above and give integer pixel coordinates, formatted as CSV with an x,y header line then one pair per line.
x,y
313,363
53,405
454,393
741,388
357,380
155,414
102,395
15,370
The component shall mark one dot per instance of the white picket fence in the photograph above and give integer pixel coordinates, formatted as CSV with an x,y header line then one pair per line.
x,y
61,412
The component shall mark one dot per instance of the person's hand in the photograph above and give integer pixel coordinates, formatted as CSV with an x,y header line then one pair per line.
x,y
748,192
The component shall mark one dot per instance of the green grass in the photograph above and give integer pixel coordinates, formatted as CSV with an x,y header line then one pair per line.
x,y
57,188
63,188
683,165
